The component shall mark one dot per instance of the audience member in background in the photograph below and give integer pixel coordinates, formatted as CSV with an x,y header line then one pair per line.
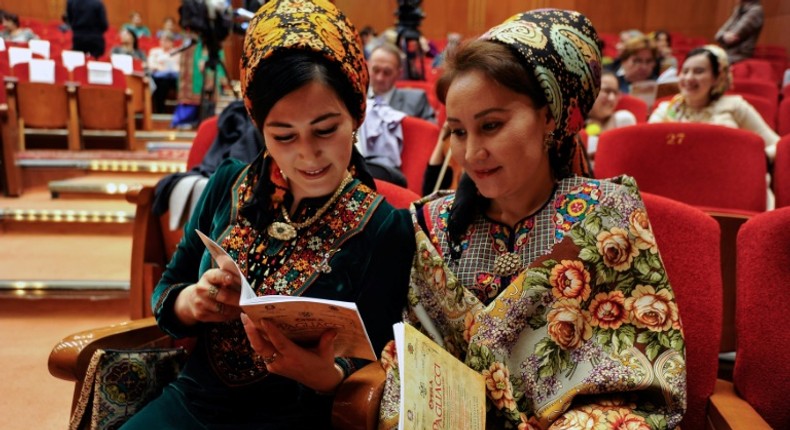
x,y
637,62
453,40
192,76
163,66
169,25
663,42
385,66
128,45
136,25
740,32
368,36
704,77
624,37
88,22
12,32
603,116
604,113
301,219
527,271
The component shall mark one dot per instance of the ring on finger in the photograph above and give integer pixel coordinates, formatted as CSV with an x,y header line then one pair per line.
x,y
212,292
220,307
270,359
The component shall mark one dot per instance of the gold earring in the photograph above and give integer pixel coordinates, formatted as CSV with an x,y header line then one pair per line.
x,y
354,138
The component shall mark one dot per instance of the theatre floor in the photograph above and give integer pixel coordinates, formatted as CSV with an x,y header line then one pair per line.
x,y
31,398
65,251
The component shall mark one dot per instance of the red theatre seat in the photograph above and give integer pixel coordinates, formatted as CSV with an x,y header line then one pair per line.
x,y
781,172
419,139
765,107
758,87
204,137
686,238
754,69
762,369
699,164
635,105
783,117
397,196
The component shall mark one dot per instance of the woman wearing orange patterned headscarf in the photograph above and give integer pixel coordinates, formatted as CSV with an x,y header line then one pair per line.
x,y
303,219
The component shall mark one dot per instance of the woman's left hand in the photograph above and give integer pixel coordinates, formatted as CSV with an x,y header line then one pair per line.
x,y
312,367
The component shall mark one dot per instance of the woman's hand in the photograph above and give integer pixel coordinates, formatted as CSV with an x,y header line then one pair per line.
x,y
312,367
215,298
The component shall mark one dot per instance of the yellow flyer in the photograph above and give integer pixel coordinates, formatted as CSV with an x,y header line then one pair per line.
x,y
438,391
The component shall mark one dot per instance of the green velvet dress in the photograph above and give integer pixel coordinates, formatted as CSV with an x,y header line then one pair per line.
x,y
367,244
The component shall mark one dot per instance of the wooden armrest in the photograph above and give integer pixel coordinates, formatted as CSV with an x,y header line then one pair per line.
x,y
143,195
69,359
357,401
727,411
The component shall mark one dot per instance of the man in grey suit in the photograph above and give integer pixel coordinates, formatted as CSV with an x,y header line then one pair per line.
x,y
385,68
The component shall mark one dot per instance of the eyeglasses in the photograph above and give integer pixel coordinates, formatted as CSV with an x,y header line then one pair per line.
x,y
643,61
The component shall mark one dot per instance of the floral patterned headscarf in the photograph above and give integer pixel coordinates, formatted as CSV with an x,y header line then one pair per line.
x,y
563,51
310,25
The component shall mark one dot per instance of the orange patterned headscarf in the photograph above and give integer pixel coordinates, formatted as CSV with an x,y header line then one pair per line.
x,y
309,25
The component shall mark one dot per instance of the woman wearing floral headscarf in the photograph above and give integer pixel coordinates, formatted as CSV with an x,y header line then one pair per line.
x,y
703,79
301,219
548,284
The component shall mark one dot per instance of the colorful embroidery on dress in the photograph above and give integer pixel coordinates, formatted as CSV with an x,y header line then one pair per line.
x,y
574,206
486,287
280,267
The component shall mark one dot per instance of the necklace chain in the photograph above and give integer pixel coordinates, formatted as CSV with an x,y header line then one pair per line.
x,y
287,230
320,211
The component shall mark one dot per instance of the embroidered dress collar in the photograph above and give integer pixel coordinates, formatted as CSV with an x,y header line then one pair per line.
x,y
274,266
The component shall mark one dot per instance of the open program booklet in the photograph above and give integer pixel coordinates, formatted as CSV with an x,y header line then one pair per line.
x,y
304,319
437,390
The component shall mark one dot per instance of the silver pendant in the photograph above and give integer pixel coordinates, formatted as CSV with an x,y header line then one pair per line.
x,y
324,266
281,231
507,264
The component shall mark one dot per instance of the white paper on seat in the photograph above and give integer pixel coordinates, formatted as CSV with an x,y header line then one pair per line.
x,y
2,44
72,59
17,55
42,71
99,73
40,47
122,62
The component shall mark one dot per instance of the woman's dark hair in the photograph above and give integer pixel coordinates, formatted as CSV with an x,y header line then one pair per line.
x,y
714,66
280,75
503,65
135,44
11,17
665,33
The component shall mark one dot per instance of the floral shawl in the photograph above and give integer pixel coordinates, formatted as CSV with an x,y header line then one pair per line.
x,y
587,336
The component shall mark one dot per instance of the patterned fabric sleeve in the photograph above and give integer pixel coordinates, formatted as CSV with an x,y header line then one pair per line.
x,y
604,345
588,336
